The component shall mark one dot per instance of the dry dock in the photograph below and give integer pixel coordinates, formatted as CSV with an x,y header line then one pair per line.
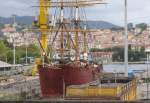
x,y
107,89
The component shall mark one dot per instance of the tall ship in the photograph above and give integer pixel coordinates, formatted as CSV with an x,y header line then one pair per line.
x,y
63,39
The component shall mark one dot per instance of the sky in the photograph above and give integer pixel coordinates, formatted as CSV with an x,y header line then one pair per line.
x,y
138,10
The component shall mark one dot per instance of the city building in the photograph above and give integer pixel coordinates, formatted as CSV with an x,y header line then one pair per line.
x,y
18,38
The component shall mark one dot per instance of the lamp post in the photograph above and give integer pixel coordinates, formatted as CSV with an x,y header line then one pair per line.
x,y
126,39
14,44
147,75
25,32
26,54
14,50
26,49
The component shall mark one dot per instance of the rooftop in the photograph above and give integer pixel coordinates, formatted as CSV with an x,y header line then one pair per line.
x,y
4,64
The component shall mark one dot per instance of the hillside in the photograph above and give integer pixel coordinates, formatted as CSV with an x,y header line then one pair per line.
x,y
29,19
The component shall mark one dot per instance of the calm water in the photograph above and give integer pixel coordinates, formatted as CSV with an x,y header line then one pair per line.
x,y
120,67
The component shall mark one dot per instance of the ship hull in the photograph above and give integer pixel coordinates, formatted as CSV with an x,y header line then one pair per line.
x,y
74,75
53,80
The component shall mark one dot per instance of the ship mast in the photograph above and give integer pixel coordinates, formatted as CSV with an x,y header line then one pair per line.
x,y
77,27
62,27
85,40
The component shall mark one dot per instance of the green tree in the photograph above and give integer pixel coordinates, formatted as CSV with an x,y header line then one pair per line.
x,y
118,53
6,51
3,50
142,26
33,50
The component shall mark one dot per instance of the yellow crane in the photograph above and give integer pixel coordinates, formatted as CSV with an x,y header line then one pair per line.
x,y
42,23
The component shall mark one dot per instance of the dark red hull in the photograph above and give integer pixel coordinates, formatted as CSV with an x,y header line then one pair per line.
x,y
74,75
52,79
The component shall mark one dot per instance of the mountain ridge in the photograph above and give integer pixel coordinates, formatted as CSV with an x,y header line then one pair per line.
x,y
27,20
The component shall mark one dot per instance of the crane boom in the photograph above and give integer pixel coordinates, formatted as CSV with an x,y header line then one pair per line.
x,y
43,20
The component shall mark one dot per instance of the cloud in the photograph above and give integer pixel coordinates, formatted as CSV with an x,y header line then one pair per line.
x,y
138,10
19,7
